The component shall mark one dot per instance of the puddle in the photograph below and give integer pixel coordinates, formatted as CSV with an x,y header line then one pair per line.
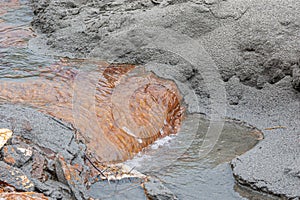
x,y
177,162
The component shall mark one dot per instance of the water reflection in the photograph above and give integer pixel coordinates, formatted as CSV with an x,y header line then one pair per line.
x,y
182,170
12,35
6,4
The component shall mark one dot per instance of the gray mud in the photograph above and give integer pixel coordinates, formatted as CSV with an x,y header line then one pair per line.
x,y
254,44
46,139
41,156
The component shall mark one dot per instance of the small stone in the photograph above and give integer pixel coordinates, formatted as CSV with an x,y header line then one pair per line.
x,y
37,171
157,191
15,177
16,155
210,2
5,135
69,175
296,78
22,195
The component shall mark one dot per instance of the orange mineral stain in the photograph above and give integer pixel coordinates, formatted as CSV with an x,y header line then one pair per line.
x,y
118,109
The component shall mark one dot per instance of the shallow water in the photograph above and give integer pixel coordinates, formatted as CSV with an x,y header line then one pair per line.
x,y
173,159
118,108
176,161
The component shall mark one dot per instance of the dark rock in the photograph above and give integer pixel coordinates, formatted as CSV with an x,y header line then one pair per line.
x,y
16,155
155,190
296,77
54,189
15,177
49,135
37,167
70,175
44,137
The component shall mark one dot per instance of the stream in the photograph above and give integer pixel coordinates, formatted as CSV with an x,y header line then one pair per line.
x,y
173,159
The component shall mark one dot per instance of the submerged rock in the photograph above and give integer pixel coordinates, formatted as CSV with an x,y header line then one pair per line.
x,y
118,109
157,191
126,188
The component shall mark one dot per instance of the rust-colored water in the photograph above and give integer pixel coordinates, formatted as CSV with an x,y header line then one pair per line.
x,y
118,109
14,36
7,5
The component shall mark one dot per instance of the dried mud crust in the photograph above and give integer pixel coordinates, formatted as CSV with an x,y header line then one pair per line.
x,y
255,45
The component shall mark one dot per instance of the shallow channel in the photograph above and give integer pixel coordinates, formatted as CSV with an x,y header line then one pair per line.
x,y
174,159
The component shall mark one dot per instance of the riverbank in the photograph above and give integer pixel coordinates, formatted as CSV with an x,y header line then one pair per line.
x,y
254,44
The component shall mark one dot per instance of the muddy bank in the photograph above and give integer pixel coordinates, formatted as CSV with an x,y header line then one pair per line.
x,y
43,156
254,44
45,141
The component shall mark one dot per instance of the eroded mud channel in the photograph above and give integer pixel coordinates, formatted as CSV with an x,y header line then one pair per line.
x,y
70,118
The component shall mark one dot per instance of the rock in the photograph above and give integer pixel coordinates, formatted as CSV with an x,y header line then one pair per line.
x,y
121,172
155,190
54,189
16,155
37,167
234,91
296,78
69,175
22,196
33,147
49,135
243,47
210,2
5,134
15,177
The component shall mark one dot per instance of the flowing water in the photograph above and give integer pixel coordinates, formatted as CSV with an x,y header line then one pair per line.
x,y
118,108
176,161
124,109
